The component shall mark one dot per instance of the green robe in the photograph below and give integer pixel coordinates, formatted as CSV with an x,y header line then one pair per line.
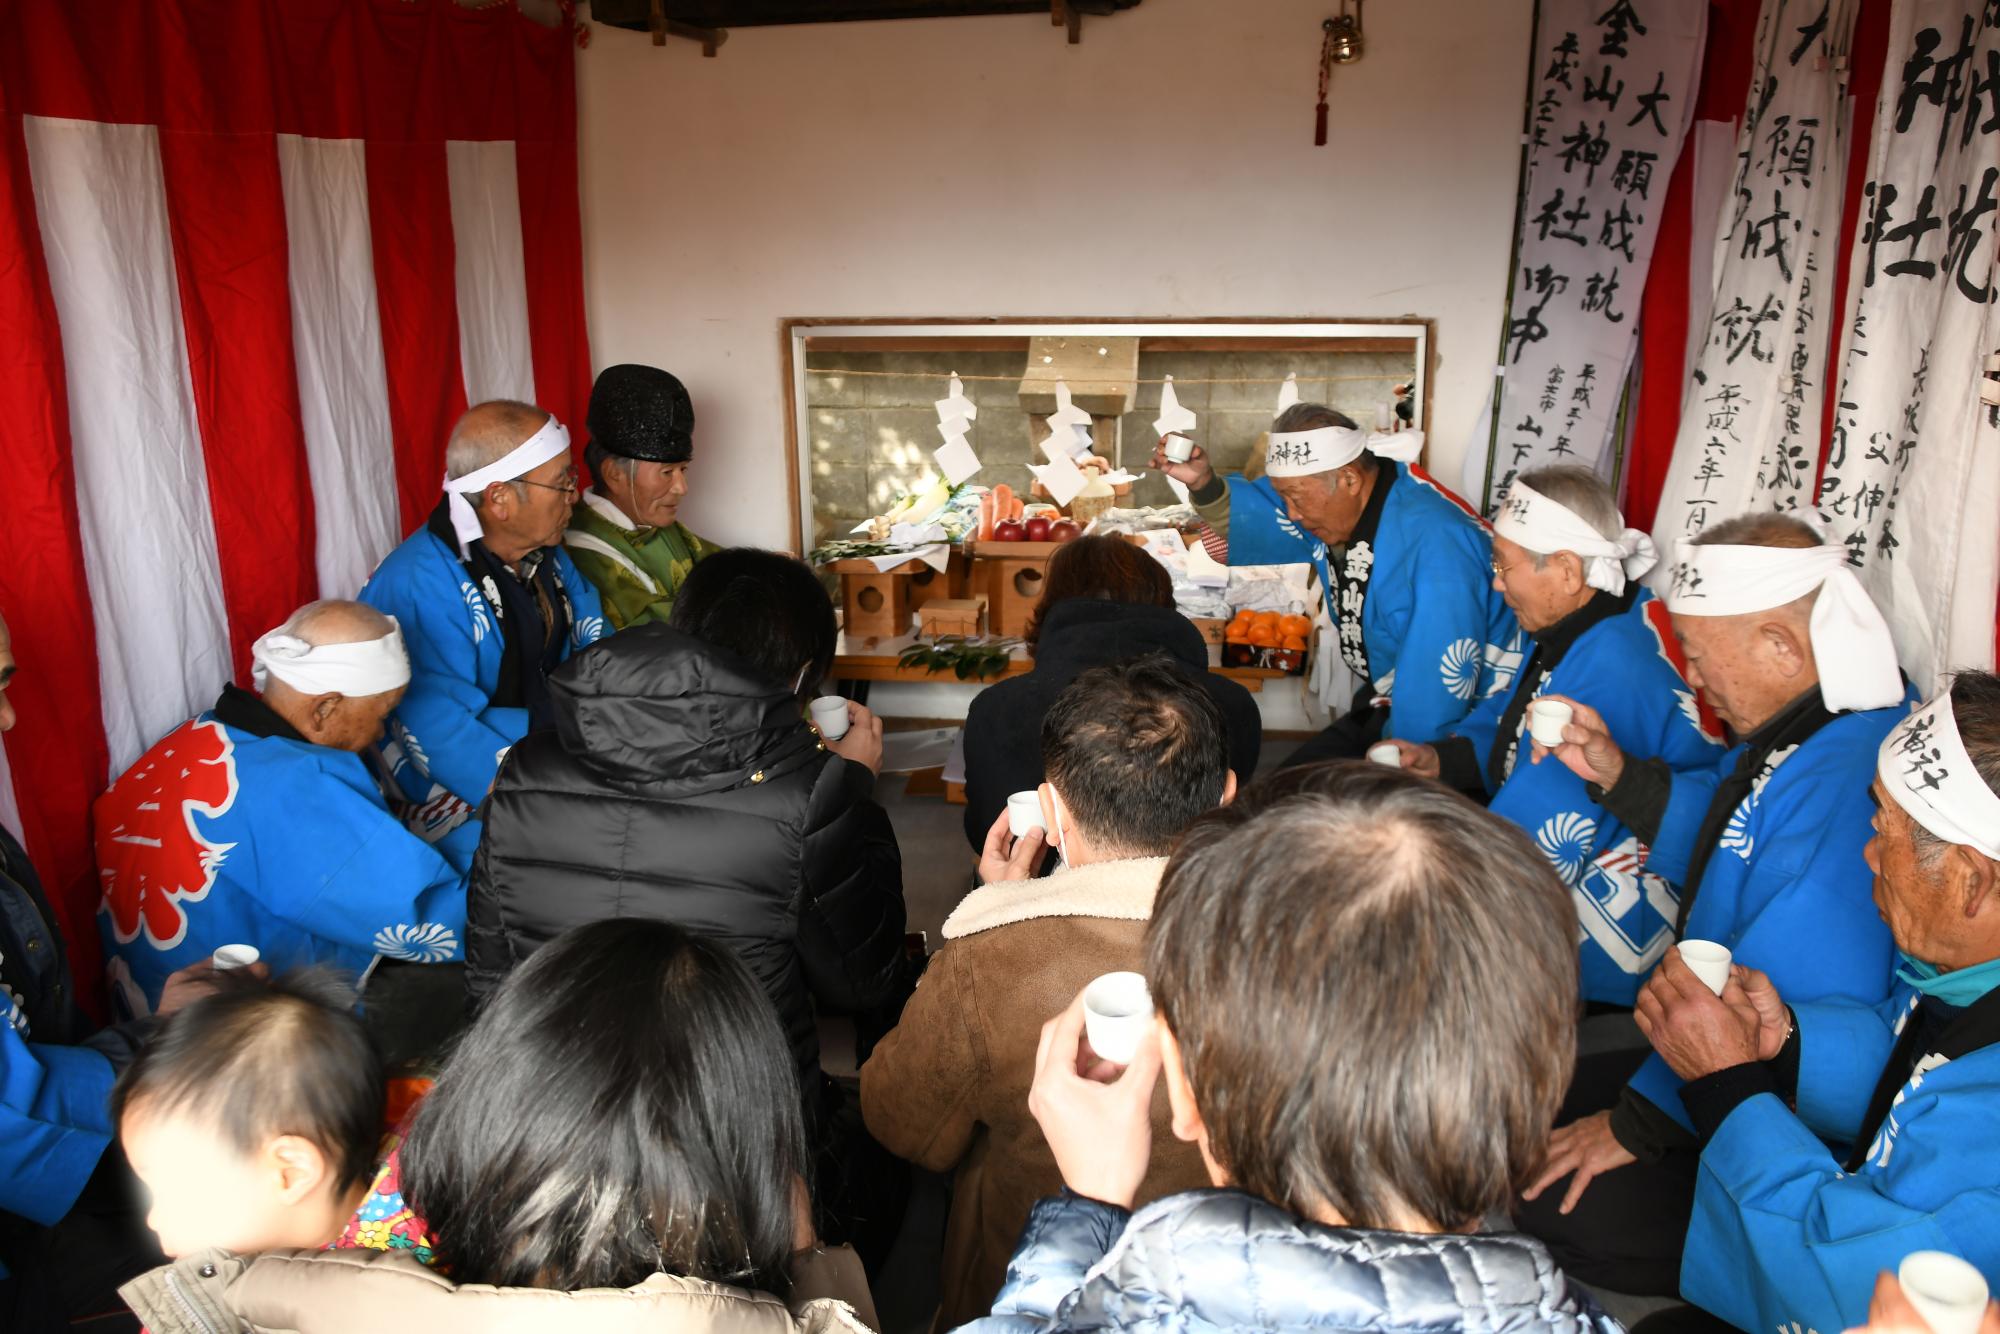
x,y
636,570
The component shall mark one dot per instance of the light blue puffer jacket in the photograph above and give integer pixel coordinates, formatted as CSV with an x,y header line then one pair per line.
x,y
1221,1259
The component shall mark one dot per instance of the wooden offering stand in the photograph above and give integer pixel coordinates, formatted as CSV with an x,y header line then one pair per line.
x,y
875,604
950,616
928,585
1011,575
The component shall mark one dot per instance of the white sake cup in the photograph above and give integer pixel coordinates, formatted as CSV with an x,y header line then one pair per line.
x,y
1948,1293
1387,753
1709,960
1546,720
1179,448
829,714
1117,1011
1024,812
227,957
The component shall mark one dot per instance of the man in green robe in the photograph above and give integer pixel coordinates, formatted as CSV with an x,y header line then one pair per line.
x,y
626,536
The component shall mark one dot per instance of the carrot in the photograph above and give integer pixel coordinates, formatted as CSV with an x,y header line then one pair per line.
x,y
985,530
1016,508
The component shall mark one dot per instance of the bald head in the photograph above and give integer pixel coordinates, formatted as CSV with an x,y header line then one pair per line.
x,y
488,433
332,621
341,722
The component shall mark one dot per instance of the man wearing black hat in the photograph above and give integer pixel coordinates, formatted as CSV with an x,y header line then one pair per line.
x,y
626,537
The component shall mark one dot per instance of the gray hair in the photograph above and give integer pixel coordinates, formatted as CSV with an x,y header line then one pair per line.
x,y
1581,492
488,433
335,621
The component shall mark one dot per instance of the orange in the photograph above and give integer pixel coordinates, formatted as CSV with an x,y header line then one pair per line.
x,y
1293,641
1264,636
1269,618
1297,627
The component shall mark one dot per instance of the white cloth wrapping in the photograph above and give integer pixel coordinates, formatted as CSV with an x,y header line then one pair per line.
x,y
1533,522
1324,448
1850,641
552,441
365,667
1925,767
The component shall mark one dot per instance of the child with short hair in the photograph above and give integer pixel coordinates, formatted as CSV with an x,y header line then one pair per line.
x,y
254,1116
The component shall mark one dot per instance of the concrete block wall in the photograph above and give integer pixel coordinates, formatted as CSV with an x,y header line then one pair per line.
x,y
871,435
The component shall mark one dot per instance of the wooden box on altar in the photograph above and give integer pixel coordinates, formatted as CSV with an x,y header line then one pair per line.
x,y
928,585
950,616
875,604
1011,575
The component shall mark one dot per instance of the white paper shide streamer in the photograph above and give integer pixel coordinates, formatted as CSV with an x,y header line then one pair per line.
x,y
956,413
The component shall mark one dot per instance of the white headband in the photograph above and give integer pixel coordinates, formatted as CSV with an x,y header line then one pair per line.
x,y
1533,522
1926,768
1324,448
552,441
1850,641
368,667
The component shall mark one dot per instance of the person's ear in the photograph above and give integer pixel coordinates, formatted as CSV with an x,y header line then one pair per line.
x,y
1973,877
1574,581
500,502
299,1167
1790,651
1188,1127
1052,813
1228,787
322,711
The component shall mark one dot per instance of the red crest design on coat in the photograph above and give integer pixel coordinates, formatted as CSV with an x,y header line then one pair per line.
x,y
151,856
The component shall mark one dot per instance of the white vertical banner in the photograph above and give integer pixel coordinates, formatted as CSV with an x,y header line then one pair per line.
x,y
337,345
1912,481
1614,91
492,276
141,474
1751,421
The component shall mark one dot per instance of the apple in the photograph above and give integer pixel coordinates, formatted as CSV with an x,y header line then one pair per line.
x,y
1037,529
1064,530
1009,530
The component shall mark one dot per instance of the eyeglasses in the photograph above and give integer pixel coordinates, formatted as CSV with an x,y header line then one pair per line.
x,y
1499,570
565,484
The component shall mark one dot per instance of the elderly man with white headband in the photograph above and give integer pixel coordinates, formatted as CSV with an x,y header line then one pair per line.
x,y
1766,847
1787,1234
1569,568
260,823
1403,562
490,604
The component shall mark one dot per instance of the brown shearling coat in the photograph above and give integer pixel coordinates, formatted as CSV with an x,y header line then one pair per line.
x,y
948,1088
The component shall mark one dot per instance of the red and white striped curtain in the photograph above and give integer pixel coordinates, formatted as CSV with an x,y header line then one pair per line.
x,y
255,258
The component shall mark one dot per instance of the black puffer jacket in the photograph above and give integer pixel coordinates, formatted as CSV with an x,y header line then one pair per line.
x,y
1003,728
680,785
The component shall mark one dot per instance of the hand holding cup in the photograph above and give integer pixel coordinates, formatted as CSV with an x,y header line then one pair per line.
x,y
1098,1123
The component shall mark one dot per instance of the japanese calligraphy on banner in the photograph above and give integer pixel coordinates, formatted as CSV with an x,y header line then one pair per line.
x,y
1912,480
1613,93
1751,422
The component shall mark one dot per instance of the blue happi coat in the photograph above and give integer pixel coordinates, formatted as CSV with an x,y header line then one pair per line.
x,y
1787,889
446,738
55,1123
1437,635
1628,668
221,835
1782,1239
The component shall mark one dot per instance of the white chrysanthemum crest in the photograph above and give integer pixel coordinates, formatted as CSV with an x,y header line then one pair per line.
x,y
424,942
1459,668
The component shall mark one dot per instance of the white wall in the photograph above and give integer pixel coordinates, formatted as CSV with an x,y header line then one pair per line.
x,y
965,167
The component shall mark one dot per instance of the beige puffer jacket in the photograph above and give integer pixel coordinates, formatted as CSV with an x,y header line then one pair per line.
x,y
359,1292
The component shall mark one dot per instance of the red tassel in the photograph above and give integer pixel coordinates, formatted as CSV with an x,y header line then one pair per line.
x,y
1319,127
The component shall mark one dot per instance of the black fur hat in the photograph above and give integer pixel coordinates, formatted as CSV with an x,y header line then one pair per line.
x,y
641,412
